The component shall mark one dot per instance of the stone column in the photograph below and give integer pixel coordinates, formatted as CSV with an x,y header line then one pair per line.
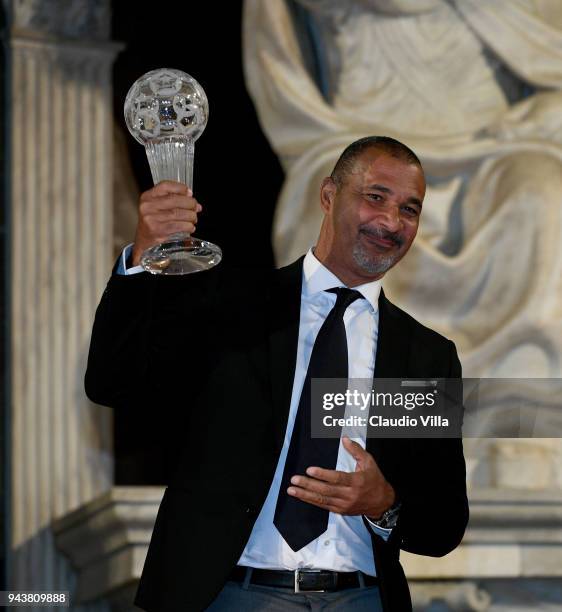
x,y
61,235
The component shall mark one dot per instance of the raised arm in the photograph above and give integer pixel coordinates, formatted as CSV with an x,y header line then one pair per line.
x,y
144,323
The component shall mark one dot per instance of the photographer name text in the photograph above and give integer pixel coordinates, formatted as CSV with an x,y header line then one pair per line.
x,y
376,420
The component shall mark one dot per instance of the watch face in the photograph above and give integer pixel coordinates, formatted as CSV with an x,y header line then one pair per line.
x,y
390,517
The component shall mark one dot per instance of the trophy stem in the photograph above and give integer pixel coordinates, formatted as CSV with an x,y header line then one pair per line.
x,y
171,158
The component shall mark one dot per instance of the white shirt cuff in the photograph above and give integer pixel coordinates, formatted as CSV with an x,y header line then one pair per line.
x,y
122,268
381,531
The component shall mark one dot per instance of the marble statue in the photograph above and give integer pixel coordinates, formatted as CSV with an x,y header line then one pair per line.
x,y
475,88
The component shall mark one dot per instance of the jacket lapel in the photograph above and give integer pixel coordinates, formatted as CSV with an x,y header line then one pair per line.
x,y
393,345
284,309
391,361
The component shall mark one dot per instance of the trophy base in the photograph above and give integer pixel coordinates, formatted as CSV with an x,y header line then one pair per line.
x,y
181,254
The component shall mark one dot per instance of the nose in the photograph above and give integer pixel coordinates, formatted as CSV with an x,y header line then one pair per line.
x,y
390,218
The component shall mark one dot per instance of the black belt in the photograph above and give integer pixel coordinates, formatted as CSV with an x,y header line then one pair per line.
x,y
303,580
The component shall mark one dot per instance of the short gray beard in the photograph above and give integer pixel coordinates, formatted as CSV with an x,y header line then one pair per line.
x,y
375,265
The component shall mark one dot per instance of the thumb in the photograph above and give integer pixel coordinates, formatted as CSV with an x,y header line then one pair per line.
x,y
354,449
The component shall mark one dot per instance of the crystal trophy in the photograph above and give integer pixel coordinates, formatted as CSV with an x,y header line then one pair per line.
x,y
166,110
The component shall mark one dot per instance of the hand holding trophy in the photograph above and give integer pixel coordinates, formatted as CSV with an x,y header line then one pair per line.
x,y
166,110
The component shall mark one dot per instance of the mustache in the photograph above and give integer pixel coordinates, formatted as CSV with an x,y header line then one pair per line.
x,y
381,233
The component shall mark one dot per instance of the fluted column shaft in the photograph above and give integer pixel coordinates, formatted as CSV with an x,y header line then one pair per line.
x,y
61,240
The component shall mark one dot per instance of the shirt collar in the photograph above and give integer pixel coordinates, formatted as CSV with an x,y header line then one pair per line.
x,y
316,278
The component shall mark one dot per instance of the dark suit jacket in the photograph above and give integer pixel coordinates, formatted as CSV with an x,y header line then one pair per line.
x,y
212,358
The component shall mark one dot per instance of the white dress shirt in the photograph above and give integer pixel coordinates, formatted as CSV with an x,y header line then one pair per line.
x,y
346,545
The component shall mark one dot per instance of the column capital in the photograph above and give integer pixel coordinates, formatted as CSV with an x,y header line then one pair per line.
x,y
84,20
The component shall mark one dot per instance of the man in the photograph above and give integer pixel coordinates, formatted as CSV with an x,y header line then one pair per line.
x,y
253,498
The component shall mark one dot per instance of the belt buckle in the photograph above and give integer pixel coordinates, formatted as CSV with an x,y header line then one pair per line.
x,y
306,571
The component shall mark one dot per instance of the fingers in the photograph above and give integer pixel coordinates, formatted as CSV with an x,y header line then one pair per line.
x,y
150,202
333,498
169,187
334,477
317,486
364,459
342,478
161,222
178,214
171,215
317,499
354,449
168,208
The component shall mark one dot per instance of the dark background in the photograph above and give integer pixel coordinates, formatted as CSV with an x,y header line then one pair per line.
x,y
236,175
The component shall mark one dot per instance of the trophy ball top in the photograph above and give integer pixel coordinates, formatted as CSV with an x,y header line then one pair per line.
x,y
166,103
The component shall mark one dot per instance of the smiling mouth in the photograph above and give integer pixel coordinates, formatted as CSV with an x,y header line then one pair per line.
x,y
383,243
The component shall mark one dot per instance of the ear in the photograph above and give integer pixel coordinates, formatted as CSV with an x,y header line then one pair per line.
x,y
327,194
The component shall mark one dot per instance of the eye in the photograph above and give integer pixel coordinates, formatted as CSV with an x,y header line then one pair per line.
x,y
375,197
411,211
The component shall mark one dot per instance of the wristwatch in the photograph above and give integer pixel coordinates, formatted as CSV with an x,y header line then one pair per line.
x,y
389,517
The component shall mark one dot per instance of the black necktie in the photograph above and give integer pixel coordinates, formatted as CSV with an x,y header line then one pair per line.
x,y
299,522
